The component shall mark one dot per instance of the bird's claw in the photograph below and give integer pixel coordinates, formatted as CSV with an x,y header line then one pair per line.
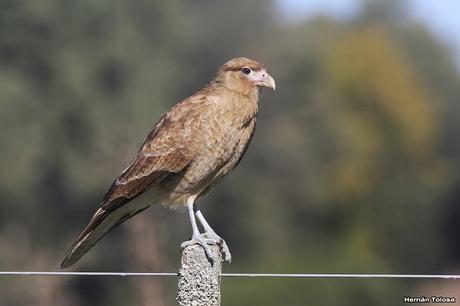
x,y
207,239
200,240
223,245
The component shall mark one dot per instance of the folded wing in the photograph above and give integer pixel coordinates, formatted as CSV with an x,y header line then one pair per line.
x,y
167,149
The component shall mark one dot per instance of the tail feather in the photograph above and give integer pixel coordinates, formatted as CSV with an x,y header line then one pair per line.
x,y
101,223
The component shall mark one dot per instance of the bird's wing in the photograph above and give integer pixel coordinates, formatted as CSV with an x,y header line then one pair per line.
x,y
165,150
168,148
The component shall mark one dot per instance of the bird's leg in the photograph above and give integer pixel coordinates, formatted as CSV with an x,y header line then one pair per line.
x,y
197,237
211,234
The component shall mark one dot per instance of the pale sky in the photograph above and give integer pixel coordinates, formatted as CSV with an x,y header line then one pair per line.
x,y
441,16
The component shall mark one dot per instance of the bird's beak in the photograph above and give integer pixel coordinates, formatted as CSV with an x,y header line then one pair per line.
x,y
269,82
266,80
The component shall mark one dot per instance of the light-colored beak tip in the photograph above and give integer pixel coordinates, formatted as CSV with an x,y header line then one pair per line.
x,y
270,82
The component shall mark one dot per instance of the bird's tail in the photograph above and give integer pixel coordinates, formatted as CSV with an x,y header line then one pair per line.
x,y
101,223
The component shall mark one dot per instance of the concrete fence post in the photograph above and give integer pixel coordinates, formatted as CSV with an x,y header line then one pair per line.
x,y
199,280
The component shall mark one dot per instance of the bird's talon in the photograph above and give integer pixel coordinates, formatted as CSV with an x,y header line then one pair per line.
x,y
221,242
204,243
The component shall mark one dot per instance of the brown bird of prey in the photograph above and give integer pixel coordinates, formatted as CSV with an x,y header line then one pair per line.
x,y
194,145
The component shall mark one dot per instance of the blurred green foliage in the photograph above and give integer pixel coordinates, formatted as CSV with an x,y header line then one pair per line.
x,y
353,168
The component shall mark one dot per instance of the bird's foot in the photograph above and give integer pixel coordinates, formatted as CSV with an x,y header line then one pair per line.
x,y
201,240
211,235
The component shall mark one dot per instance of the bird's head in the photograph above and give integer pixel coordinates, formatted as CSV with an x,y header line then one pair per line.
x,y
245,74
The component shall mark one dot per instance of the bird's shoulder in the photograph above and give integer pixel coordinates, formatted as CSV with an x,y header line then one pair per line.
x,y
180,127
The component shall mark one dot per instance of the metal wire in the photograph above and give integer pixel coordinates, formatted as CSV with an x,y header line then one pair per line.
x,y
250,275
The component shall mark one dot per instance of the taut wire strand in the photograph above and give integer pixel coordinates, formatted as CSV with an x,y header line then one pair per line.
x,y
276,275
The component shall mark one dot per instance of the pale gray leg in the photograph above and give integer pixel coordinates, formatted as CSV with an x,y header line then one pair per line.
x,y
197,237
211,234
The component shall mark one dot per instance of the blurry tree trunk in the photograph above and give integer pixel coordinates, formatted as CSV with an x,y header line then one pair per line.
x,y
199,280
143,240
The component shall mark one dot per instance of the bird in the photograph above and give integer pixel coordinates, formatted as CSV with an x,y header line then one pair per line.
x,y
192,147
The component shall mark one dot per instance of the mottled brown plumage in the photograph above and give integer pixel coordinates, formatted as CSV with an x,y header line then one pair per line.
x,y
196,143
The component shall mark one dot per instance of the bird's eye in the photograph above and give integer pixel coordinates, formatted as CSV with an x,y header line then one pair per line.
x,y
246,70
